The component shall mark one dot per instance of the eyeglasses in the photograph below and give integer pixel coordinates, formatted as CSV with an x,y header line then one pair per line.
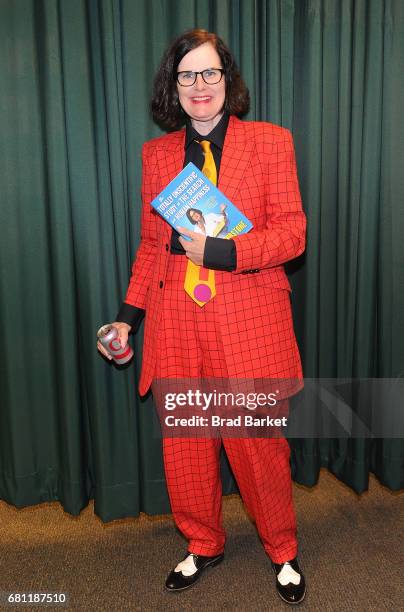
x,y
211,76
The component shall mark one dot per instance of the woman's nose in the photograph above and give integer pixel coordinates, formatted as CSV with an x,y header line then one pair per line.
x,y
199,83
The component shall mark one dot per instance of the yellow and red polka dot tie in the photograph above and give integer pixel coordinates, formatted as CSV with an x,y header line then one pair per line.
x,y
199,281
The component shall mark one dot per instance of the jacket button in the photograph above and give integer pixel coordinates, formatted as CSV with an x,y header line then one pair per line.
x,y
167,247
161,284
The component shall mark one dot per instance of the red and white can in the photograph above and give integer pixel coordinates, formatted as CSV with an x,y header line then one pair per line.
x,y
108,336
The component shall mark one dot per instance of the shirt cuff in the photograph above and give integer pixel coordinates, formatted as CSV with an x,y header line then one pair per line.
x,y
220,254
132,315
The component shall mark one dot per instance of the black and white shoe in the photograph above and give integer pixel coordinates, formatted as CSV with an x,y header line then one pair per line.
x,y
290,582
189,570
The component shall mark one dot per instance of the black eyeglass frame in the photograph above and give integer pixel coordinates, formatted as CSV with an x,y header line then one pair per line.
x,y
221,70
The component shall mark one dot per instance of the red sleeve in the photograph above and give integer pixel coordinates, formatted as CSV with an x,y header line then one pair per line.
x,y
146,254
284,236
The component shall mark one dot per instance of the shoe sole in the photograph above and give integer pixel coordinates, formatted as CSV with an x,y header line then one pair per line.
x,y
210,564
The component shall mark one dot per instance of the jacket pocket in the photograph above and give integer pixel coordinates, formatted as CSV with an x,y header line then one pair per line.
x,y
274,278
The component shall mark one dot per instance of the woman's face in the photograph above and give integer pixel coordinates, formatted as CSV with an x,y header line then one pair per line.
x,y
203,103
195,216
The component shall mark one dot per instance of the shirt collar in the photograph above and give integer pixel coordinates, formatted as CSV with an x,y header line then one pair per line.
x,y
216,136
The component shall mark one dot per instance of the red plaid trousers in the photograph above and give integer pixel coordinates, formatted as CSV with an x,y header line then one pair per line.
x,y
190,346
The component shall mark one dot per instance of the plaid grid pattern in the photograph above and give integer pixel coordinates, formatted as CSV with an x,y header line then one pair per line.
x,y
190,346
258,174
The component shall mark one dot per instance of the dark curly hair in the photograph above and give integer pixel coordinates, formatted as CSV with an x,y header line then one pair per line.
x,y
189,214
165,106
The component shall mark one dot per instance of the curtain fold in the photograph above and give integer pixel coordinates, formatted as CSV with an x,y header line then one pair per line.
x,y
75,83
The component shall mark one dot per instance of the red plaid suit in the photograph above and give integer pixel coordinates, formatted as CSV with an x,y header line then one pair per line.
x,y
247,327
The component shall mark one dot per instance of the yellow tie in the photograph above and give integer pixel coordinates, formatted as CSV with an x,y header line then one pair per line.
x,y
200,282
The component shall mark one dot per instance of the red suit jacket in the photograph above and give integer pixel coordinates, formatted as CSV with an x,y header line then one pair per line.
x,y
258,174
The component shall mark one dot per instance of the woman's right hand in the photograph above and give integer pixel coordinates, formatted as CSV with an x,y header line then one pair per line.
x,y
123,333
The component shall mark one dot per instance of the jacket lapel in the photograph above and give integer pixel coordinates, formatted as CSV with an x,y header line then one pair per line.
x,y
170,163
237,151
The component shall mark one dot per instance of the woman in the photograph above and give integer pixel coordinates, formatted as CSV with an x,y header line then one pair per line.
x,y
210,224
245,332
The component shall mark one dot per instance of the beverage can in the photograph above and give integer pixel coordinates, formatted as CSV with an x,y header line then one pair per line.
x,y
108,336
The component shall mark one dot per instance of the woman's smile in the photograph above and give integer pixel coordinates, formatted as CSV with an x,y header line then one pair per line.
x,y
201,100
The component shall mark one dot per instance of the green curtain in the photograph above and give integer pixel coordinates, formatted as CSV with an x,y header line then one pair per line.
x,y
75,82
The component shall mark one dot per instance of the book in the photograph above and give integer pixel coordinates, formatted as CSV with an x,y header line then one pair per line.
x,y
192,201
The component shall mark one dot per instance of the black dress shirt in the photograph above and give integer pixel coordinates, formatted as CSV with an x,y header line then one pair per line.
x,y
219,254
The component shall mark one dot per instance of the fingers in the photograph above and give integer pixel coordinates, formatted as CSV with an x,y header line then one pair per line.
x,y
103,350
123,336
123,332
183,230
186,244
187,232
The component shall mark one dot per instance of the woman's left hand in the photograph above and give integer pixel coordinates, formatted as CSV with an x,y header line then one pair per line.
x,y
194,248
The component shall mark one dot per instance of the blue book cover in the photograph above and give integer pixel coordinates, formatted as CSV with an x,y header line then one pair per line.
x,y
192,201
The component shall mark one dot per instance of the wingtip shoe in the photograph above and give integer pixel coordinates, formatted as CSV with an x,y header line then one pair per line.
x,y
290,582
189,570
